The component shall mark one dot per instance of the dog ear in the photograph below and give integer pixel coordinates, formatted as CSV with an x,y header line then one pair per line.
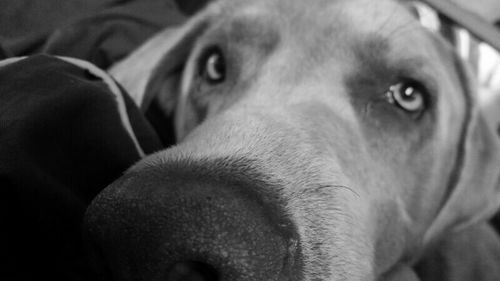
x,y
152,74
154,70
476,194
164,85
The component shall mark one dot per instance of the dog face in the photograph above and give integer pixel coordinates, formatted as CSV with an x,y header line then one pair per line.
x,y
318,140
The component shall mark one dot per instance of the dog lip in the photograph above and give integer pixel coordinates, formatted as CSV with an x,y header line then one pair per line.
x,y
185,211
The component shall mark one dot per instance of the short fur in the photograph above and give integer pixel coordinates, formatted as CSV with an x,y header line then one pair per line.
x,y
375,193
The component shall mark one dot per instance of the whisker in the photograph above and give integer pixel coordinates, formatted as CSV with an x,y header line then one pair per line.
x,y
388,20
400,28
339,187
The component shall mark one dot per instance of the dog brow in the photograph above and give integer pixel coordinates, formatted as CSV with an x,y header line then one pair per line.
x,y
254,32
372,67
375,70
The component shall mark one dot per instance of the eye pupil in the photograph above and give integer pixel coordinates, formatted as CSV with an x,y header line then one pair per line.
x,y
407,96
213,66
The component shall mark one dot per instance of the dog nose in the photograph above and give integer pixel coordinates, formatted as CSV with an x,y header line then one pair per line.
x,y
169,225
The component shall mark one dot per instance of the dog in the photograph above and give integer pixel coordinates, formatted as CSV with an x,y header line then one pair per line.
x,y
317,140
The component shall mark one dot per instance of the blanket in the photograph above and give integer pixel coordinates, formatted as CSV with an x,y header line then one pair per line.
x,y
66,132
66,129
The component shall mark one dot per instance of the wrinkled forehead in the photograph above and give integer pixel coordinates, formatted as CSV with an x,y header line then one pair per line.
x,y
381,36
329,26
297,16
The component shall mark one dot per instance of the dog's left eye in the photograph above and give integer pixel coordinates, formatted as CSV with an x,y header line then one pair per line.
x,y
212,66
409,96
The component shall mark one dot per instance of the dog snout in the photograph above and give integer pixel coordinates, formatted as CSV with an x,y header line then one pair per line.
x,y
168,224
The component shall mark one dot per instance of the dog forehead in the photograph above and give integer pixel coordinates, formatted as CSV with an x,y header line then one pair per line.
x,y
326,29
367,38
365,15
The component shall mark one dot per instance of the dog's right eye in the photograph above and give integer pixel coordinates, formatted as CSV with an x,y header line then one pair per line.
x,y
212,66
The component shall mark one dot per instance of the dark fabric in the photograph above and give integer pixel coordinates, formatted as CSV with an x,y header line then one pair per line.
x,y
162,123
3,53
100,32
23,17
145,132
190,7
61,142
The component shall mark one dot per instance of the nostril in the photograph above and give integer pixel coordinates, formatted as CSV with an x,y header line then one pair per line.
x,y
192,271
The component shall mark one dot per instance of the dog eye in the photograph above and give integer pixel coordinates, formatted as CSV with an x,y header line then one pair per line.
x,y
212,66
409,96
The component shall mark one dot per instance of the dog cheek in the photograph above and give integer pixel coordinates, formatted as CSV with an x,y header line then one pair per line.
x,y
394,236
186,120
